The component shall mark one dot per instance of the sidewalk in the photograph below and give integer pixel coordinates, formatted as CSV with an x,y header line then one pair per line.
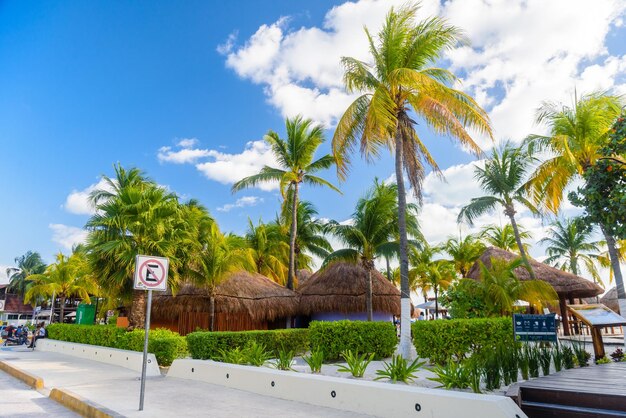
x,y
118,388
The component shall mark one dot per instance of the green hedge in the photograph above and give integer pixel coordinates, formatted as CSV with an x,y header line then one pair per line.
x,y
363,337
442,340
207,345
164,344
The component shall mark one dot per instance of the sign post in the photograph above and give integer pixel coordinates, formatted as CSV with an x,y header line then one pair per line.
x,y
150,274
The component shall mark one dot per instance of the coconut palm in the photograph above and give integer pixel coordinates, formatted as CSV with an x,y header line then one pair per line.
x,y
503,178
135,216
504,237
268,249
403,81
464,252
430,274
371,233
296,165
569,244
66,278
27,265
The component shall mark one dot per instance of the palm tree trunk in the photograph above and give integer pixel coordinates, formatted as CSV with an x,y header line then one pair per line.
x,y
405,297
211,312
62,312
573,264
510,212
292,237
137,315
436,302
368,297
617,273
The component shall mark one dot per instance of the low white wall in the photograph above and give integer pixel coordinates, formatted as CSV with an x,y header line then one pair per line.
x,y
366,397
125,358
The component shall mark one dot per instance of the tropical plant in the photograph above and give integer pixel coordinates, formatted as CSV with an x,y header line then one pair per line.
x,y
400,83
491,369
603,360
400,370
509,362
315,360
420,260
582,355
503,178
439,276
66,278
569,244
545,358
371,232
617,355
452,375
504,237
524,361
235,355
569,358
268,250
464,252
558,357
284,360
296,166
256,354
27,265
355,364
534,361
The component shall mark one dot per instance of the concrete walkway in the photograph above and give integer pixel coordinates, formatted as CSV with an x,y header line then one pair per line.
x,y
117,388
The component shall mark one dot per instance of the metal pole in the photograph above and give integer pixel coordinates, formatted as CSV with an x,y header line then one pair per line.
x,y
145,351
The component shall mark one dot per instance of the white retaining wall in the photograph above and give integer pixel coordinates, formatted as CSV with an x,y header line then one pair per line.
x,y
366,397
124,358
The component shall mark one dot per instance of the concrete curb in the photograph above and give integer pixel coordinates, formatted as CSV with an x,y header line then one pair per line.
x,y
33,381
80,405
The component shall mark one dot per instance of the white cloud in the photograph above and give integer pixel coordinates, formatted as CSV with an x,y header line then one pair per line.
x,y
78,202
181,156
242,202
67,236
188,142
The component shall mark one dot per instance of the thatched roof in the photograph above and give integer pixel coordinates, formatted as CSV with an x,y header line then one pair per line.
x,y
242,293
341,287
610,300
303,275
565,284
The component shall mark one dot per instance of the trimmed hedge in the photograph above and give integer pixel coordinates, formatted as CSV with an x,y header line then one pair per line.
x,y
378,338
442,340
207,345
164,344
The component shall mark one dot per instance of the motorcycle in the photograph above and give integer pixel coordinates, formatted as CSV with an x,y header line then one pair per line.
x,y
21,339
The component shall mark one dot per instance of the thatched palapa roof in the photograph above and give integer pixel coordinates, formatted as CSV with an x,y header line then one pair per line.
x,y
341,287
565,284
242,293
303,275
610,300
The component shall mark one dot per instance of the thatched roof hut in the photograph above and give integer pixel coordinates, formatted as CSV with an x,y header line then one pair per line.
x,y
566,285
341,287
610,300
303,275
243,301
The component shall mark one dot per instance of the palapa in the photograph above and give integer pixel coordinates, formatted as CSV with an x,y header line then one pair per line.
x,y
610,300
341,287
241,293
566,285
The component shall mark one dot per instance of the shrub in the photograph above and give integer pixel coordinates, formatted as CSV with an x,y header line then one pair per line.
x,y
164,344
457,339
452,375
377,338
315,361
356,365
617,355
233,356
399,370
545,356
207,345
582,356
603,360
557,357
256,354
569,358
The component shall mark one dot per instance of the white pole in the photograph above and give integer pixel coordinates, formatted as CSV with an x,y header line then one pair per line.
x,y
52,306
145,351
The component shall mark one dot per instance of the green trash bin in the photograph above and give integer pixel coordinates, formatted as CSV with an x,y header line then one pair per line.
x,y
85,314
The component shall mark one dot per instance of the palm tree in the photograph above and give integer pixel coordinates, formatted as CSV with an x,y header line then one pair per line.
x,y
402,80
66,278
503,178
135,216
464,252
568,244
268,250
27,265
371,232
295,158
504,237
430,274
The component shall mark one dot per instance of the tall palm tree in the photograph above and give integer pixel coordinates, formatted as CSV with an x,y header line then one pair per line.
x,y
295,158
464,252
503,178
135,216
268,250
504,237
568,244
430,274
371,232
27,265
66,278
402,80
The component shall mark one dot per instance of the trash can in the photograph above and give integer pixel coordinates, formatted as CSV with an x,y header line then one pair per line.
x,y
85,314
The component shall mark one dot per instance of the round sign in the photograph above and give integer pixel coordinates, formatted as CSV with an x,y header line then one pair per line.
x,y
151,273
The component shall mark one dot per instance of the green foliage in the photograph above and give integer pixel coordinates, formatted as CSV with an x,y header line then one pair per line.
x,y
207,345
256,354
558,357
617,355
545,357
315,361
582,356
569,358
491,368
233,356
284,360
164,344
399,370
524,363
464,301
532,353
509,362
378,338
356,364
453,375
603,360
457,339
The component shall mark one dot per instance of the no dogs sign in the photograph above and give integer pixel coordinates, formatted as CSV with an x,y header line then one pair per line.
x,y
151,273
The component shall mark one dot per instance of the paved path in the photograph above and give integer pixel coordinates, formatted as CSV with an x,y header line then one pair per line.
x,y
117,388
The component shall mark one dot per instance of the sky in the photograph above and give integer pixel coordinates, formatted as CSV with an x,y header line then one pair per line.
x,y
185,91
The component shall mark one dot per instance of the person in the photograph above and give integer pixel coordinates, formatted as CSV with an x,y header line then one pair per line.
x,y
38,334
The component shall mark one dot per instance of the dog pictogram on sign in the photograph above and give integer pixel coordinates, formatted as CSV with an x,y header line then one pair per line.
x,y
151,273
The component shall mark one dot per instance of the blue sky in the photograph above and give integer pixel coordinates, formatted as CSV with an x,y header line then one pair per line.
x,y
84,85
